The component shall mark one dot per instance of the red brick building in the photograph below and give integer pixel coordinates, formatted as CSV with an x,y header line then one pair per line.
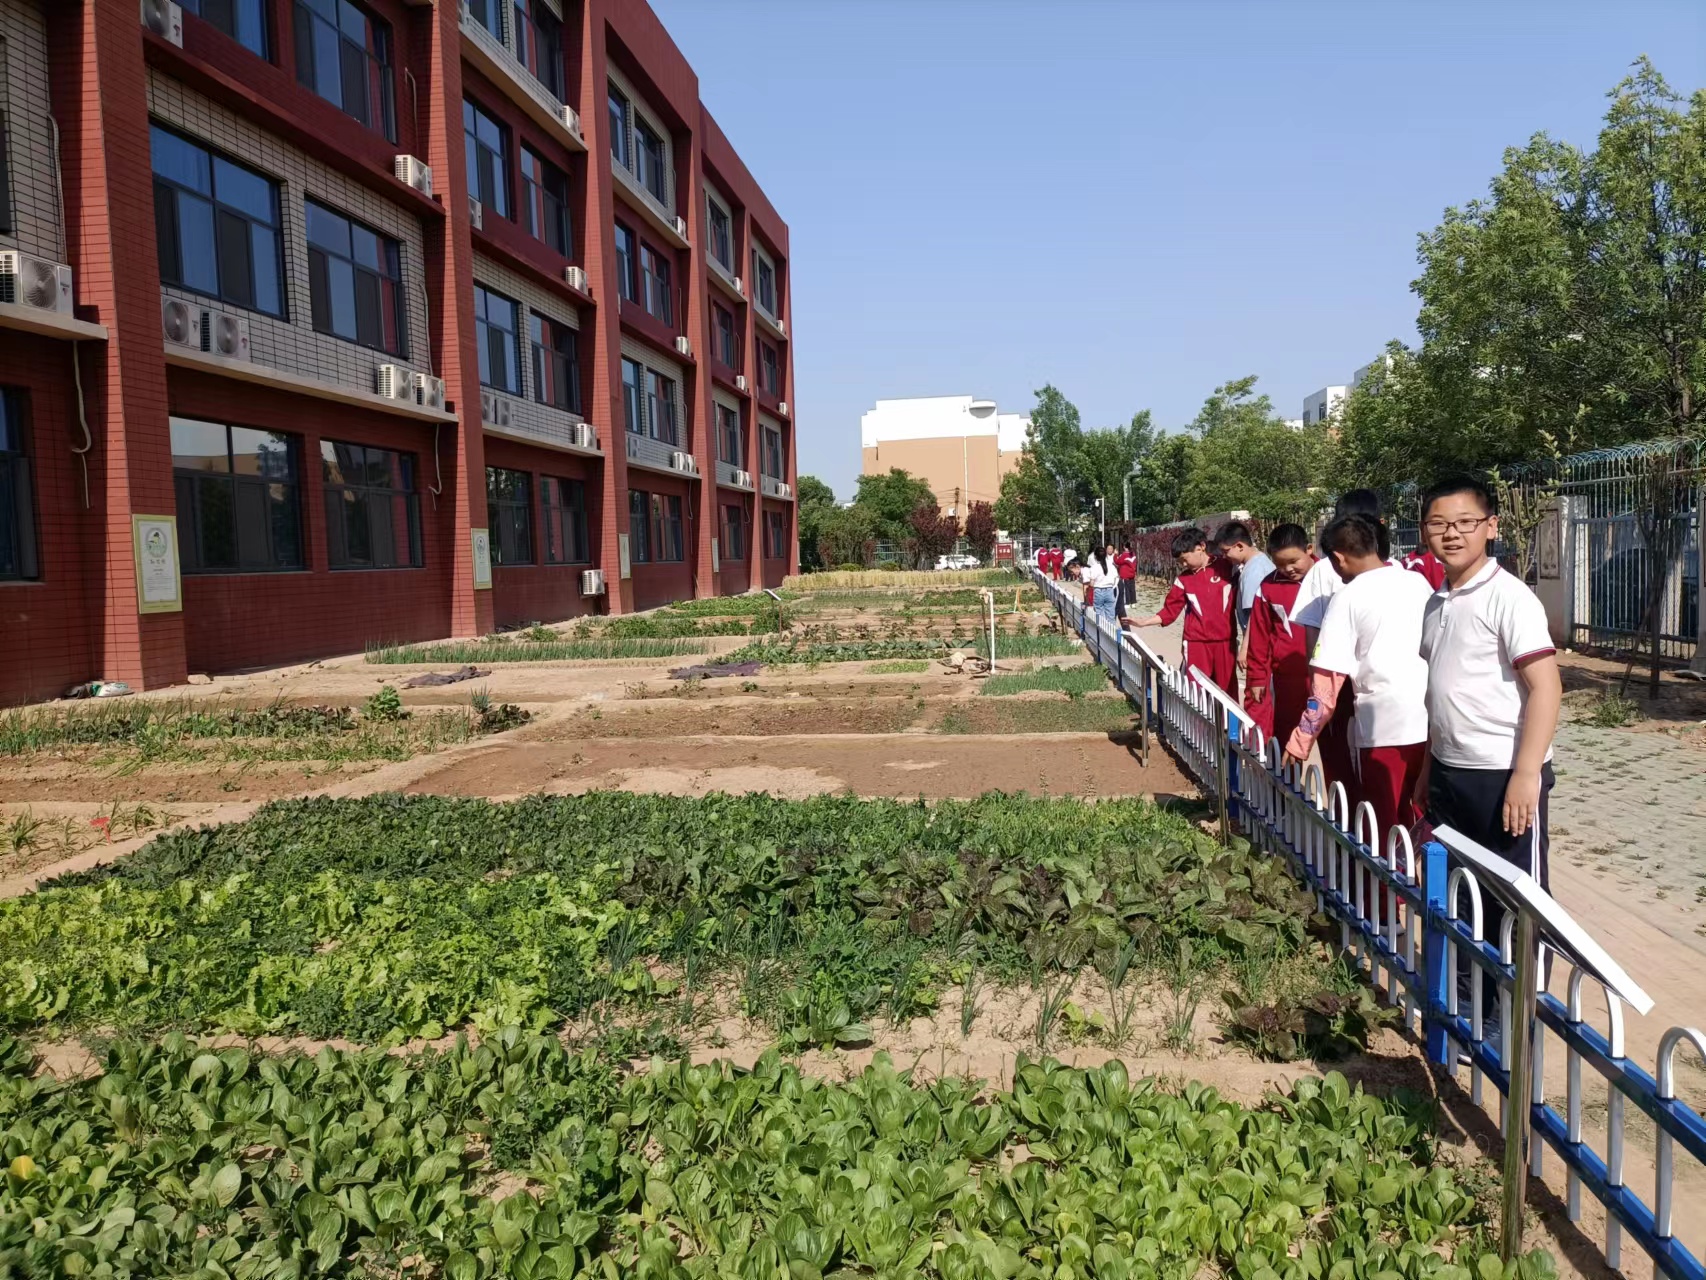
x,y
327,323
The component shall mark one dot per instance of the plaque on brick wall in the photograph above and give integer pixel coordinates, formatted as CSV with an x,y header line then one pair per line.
x,y
155,539
716,567
482,539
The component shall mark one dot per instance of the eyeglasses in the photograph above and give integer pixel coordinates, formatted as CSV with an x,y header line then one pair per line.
x,y
1466,524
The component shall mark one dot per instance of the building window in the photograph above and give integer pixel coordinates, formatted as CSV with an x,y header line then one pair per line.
x,y
7,225
775,535
373,514
620,145
355,281
545,202
723,324
496,329
489,14
487,144
650,155
769,369
654,275
17,493
556,363
660,407
764,282
237,498
639,526
344,55
729,443
217,225
734,532
509,515
633,383
625,254
722,243
539,44
562,504
774,463
243,20
668,546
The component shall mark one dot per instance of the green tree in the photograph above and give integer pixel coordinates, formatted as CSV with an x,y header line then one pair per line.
x,y
890,498
1030,499
1247,458
1158,489
848,535
816,503
1105,457
981,530
1053,439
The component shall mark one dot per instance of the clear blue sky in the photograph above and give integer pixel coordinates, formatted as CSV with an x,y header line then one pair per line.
x,y
1133,200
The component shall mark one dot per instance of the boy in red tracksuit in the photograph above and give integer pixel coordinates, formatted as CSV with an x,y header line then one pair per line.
x,y
1126,564
1426,563
1204,591
1276,667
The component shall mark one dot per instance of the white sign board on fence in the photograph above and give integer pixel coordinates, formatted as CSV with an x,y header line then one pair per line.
x,y
1559,929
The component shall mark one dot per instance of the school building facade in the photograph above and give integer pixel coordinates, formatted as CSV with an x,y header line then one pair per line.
x,y
327,323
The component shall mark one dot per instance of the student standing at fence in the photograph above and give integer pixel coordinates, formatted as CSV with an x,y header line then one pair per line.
x,y
1371,637
1276,672
1102,582
1126,564
1493,689
1204,593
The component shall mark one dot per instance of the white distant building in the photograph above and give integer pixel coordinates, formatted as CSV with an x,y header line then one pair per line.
x,y
960,445
1296,424
1323,404
1382,362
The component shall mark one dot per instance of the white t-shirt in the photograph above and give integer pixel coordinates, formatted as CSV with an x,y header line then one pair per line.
x,y
1372,633
1099,575
1320,585
1473,637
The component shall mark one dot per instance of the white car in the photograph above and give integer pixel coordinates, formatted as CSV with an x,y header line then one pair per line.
x,y
956,562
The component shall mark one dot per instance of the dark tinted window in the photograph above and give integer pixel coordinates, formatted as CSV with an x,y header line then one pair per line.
x,y
545,202
243,20
373,517
237,495
556,363
509,515
562,504
216,224
344,54
496,331
17,492
354,280
486,143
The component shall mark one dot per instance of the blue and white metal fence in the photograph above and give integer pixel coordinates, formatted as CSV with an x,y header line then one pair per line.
x,y
1413,921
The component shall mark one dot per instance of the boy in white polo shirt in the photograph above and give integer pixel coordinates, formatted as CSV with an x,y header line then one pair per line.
x,y
1493,687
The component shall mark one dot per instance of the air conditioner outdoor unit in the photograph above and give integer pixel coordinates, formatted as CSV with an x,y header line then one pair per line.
x,y
582,436
743,479
477,213
576,278
740,382
181,323
739,287
429,391
592,582
571,119
394,382
782,407
494,409
223,334
683,461
784,490
681,226
415,173
683,345
782,326
164,18
29,281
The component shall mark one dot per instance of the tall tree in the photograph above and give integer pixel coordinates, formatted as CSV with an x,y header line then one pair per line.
x,y
930,534
848,535
981,530
891,497
1158,490
1030,499
1105,457
1053,439
815,502
1246,458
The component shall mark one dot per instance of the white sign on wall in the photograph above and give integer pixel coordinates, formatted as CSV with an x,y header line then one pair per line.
x,y
482,540
156,544
714,565
626,568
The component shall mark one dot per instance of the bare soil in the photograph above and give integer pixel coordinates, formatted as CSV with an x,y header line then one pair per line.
x,y
38,779
739,717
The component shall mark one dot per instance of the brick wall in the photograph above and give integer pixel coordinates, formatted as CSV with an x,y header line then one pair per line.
x,y
542,592
26,105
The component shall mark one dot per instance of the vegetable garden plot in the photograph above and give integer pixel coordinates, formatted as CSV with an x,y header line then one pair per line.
x,y
519,1158
391,916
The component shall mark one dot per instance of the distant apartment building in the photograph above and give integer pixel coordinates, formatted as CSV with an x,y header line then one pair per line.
x,y
960,445
326,323
1323,404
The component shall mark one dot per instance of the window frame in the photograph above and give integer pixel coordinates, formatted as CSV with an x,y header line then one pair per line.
x,y
519,526
379,78
766,452
775,535
389,246
639,534
221,214
725,339
725,437
17,487
770,368
651,162
734,550
620,116
190,524
483,330
482,12
660,388
257,9
501,204
656,284
537,199
634,397
564,520
542,353
669,531
627,262
764,273
366,492
715,209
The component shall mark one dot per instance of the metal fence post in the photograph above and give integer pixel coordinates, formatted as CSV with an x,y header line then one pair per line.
x,y
1434,953
1519,1101
1233,737
1222,771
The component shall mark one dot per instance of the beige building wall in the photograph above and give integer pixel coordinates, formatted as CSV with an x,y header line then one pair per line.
x,y
960,470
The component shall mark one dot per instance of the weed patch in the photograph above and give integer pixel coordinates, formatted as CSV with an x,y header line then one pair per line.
x,y
1074,682
501,649
900,667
